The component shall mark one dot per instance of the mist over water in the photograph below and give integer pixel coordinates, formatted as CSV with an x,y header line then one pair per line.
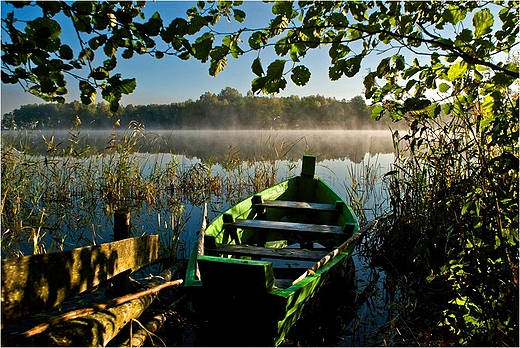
x,y
341,155
221,144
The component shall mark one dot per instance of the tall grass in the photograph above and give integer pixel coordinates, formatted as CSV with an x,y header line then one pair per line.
x,y
67,197
450,242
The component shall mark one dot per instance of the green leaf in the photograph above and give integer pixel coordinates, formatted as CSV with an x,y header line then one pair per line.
x,y
126,86
127,54
110,64
338,51
300,75
483,22
178,27
416,104
384,67
239,15
88,93
339,20
256,40
258,84
219,52
50,8
44,33
399,62
202,47
283,8
457,70
444,87
336,70
86,54
274,86
184,56
352,66
358,10
282,47
97,41
47,86
464,37
256,67
109,49
217,65
447,108
154,25
50,27
297,50
453,14
377,112
66,52
275,69
99,74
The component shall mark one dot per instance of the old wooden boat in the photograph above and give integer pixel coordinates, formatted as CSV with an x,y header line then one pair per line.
x,y
259,263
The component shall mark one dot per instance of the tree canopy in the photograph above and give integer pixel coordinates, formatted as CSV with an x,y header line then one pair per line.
x,y
444,47
454,194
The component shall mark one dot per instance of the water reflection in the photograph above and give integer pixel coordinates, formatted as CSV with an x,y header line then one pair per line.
x,y
342,157
221,144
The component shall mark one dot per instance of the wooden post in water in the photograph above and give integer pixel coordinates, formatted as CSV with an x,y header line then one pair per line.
x,y
121,224
121,231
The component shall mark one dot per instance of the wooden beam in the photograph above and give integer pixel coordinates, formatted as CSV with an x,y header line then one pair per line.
x,y
98,329
33,283
275,253
318,232
324,207
308,166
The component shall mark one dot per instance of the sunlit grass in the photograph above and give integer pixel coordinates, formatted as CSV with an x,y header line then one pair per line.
x,y
66,198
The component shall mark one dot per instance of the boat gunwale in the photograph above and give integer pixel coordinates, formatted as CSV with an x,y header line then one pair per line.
x,y
192,281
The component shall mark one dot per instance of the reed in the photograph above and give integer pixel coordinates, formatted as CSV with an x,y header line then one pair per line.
x,y
450,242
365,192
66,197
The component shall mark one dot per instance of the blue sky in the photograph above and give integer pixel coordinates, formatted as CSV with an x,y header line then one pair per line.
x,y
173,80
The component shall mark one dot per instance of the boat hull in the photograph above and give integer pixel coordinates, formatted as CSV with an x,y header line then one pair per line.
x,y
243,291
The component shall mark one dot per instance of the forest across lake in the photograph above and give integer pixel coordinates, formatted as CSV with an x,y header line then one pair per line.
x,y
226,110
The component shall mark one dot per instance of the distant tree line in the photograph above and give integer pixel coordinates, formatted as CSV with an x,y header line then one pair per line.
x,y
228,109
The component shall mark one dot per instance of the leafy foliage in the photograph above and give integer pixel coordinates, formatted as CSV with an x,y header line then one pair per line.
x,y
354,31
36,58
447,68
455,210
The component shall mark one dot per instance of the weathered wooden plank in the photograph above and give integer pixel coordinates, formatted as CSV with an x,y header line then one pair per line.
x,y
323,230
33,283
275,253
98,329
324,207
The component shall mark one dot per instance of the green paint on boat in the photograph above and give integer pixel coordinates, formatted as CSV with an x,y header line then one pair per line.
x,y
244,292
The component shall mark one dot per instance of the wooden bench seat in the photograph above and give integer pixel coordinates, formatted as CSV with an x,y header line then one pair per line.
x,y
323,207
312,231
275,253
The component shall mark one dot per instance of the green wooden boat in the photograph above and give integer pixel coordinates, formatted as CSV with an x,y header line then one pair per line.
x,y
259,264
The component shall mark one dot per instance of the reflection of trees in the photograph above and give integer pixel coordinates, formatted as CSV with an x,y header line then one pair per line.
x,y
226,110
220,145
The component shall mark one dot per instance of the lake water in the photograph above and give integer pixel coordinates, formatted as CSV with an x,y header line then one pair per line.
x,y
342,156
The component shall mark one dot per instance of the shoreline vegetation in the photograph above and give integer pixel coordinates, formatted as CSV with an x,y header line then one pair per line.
x,y
226,110
448,243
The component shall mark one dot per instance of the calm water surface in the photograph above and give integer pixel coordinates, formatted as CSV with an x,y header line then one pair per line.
x,y
341,156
